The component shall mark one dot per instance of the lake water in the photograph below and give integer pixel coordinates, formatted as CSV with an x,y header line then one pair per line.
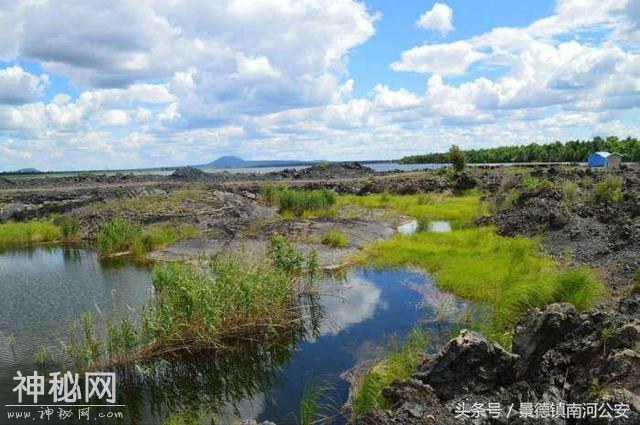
x,y
43,289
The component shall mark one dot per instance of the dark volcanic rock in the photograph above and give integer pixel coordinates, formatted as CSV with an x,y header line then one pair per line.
x,y
189,174
325,171
539,330
464,182
416,403
450,372
532,212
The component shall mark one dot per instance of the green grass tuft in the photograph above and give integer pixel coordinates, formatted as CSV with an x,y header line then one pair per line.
x,y
29,232
335,238
121,236
401,363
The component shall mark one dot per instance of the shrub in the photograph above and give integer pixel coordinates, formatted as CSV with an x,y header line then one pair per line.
x,y
608,190
457,158
336,239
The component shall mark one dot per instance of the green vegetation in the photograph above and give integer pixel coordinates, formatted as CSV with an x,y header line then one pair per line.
x,y
570,190
121,236
298,202
424,206
572,151
70,227
203,307
335,238
117,235
635,288
608,190
270,193
401,363
29,232
509,274
457,158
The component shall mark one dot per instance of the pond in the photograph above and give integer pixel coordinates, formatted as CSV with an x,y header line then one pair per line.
x,y
43,289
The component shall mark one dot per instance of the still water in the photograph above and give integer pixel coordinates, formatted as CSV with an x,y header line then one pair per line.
x,y
43,289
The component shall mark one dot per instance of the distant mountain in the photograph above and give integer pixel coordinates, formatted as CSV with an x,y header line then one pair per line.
x,y
235,162
28,171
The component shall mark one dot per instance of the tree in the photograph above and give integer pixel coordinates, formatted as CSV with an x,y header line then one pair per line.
x,y
457,158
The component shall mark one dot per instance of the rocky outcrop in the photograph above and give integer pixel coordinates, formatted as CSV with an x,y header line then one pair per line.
x,y
448,373
532,212
464,182
539,331
189,174
559,356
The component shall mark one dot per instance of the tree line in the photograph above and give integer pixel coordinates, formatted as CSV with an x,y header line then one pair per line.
x,y
571,151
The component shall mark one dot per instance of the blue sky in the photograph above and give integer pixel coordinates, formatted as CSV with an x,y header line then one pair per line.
x,y
124,84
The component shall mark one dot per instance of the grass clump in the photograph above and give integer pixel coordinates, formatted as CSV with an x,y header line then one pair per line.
x,y
335,238
608,190
301,203
423,206
570,191
205,306
509,274
297,202
70,227
29,232
401,363
118,235
635,288
270,193
122,236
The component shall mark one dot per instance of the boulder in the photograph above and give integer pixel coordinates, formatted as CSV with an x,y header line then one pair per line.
x,y
540,330
464,182
468,363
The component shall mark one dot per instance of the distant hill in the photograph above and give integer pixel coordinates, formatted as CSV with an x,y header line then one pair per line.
x,y
235,162
28,171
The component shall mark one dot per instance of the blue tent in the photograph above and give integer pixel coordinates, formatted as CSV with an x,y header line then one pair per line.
x,y
598,159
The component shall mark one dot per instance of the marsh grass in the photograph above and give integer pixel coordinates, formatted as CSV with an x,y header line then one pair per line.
x,y
29,232
69,226
477,264
461,209
122,236
335,238
298,203
400,363
202,307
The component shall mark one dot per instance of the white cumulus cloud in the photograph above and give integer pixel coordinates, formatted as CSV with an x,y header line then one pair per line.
x,y
439,18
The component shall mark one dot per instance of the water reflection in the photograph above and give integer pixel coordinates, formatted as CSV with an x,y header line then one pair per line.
x,y
43,289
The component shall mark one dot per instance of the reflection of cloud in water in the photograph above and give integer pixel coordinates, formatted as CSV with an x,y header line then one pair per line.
x,y
352,302
241,410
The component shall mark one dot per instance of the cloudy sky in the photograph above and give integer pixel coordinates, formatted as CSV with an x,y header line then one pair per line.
x,y
122,84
